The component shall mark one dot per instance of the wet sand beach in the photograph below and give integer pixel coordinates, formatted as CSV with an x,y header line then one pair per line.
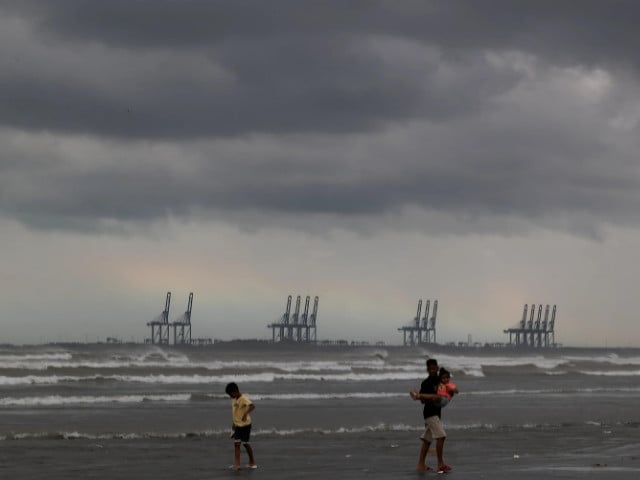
x,y
560,453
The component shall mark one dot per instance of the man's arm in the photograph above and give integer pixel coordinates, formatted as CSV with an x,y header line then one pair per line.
x,y
423,396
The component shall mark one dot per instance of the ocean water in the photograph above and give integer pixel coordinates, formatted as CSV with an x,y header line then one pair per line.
x,y
141,411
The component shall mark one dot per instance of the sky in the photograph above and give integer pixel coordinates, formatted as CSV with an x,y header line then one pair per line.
x,y
372,153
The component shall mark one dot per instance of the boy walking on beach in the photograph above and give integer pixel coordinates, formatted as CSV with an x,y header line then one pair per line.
x,y
241,408
433,426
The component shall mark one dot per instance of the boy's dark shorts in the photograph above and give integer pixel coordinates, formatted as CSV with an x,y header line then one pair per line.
x,y
242,434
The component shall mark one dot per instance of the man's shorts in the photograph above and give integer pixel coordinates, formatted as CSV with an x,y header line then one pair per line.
x,y
433,429
242,434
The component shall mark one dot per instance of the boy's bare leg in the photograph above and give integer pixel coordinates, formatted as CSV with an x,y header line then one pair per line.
x,y
422,467
236,455
252,461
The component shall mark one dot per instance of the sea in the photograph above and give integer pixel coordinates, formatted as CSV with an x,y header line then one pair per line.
x,y
134,411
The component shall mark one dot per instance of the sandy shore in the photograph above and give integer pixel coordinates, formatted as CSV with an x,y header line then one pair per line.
x,y
557,453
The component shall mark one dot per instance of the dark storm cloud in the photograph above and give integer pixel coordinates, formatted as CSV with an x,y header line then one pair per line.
x,y
286,66
272,85
593,29
133,111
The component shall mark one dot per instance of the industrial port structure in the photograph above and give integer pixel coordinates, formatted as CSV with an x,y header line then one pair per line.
x,y
535,331
422,330
300,326
296,326
182,325
161,327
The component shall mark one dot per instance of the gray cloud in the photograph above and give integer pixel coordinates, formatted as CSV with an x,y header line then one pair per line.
x,y
370,152
593,30
135,112
284,66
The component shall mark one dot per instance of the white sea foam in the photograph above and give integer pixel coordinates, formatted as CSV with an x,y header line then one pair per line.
x,y
169,356
556,391
380,427
355,430
31,357
74,435
263,377
59,400
327,396
380,360
610,358
183,363
611,373
205,379
473,365
224,372
37,380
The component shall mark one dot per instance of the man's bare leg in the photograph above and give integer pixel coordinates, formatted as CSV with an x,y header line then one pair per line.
x,y
422,467
440,450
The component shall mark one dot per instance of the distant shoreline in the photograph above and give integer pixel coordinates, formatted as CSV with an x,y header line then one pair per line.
x,y
268,345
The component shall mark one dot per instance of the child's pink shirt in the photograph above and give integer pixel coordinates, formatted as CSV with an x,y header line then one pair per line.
x,y
443,391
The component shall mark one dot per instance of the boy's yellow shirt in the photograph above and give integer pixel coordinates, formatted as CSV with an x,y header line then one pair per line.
x,y
239,407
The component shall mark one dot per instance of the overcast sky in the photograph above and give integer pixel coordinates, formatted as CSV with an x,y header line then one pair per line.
x,y
373,153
